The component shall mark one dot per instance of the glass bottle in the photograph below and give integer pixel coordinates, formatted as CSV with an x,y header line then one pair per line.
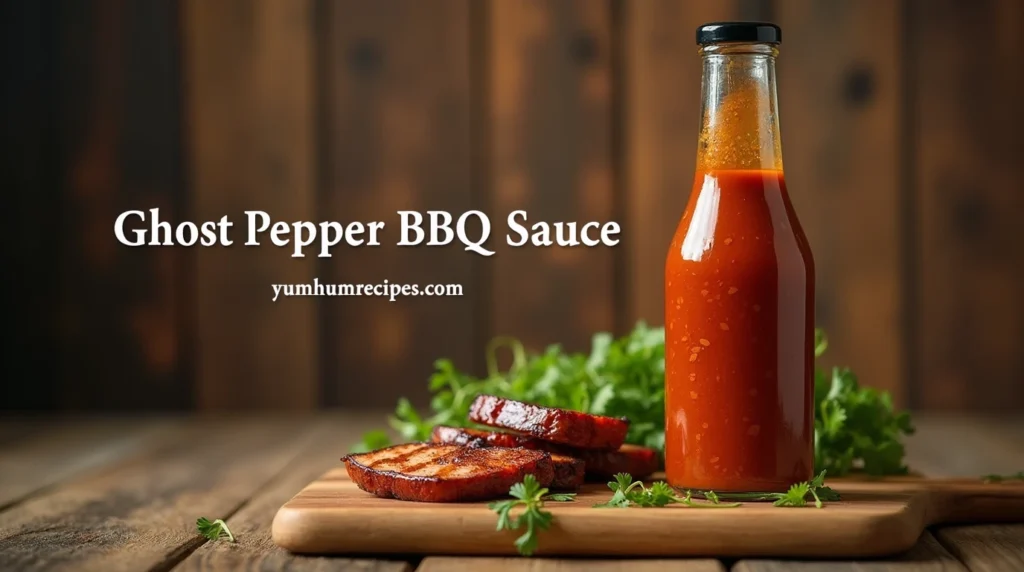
x,y
739,288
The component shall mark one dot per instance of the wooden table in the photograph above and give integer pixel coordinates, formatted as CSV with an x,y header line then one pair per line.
x,y
124,494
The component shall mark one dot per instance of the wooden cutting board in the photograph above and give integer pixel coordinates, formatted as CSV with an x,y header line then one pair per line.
x,y
875,518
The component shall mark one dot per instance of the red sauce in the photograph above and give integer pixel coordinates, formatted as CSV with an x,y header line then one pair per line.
x,y
739,285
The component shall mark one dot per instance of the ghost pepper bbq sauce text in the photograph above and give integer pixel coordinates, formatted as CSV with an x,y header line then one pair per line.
x,y
739,289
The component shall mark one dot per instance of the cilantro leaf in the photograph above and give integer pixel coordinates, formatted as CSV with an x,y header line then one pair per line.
x,y
629,493
214,530
856,427
620,487
529,495
504,509
820,342
796,496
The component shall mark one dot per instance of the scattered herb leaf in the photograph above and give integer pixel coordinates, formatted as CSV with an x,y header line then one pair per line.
x,y
629,493
214,530
795,496
531,496
855,428
1018,476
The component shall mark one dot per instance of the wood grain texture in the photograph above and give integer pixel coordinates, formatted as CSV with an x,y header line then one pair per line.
x,y
967,124
396,101
253,549
956,446
874,519
840,96
661,115
119,309
140,513
34,462
448,564
981,446
14,428
988,548
131,489
249,77
926,556
550,113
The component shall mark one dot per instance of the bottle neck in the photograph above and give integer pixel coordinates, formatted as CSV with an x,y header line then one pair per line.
x,y
739,113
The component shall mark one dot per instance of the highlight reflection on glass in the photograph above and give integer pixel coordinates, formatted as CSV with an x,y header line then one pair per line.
x,y
701,234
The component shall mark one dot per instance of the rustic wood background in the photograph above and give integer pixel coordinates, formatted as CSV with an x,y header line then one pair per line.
x,y
901,121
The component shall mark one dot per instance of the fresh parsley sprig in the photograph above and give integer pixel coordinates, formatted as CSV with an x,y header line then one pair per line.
x,y
629,493
855,427
531,496
214,530
796,496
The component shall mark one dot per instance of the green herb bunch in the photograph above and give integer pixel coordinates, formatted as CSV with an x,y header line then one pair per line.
x,y
624,377
855,427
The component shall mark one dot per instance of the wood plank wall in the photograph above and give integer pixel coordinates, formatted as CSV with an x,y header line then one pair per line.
x,y
92,127
901,125
251,146
397,136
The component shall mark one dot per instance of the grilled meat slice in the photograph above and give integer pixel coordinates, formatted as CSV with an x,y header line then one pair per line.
x,y
573,428
481,438
429,472
639,462
569,472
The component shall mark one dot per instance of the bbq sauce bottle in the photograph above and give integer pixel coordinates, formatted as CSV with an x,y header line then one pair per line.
x,y
739,288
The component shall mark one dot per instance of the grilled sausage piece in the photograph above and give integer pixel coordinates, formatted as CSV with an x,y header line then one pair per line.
x,y
569,470
428,472
580,430
640,462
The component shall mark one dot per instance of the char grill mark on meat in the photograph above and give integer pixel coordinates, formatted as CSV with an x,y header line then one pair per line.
x,y
561,426
640,462
569,470
446,473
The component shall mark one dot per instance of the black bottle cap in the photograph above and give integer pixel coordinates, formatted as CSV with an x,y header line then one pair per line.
x,y
759,32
